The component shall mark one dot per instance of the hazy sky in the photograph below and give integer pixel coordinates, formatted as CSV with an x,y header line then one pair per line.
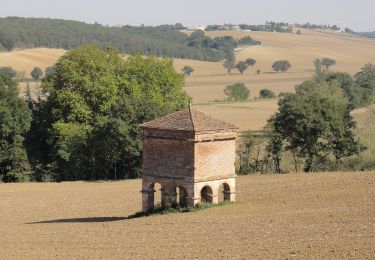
x,y
355,14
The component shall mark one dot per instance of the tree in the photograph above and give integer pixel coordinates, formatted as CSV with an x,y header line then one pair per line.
x,y
266,93
230,61
49,71
237,92
251,154
15,119
315,125
187,70
247,40
350,89
36,73
95,101
318,67
327,62
250,62
366,81
281,65
196,39
241,66
8,71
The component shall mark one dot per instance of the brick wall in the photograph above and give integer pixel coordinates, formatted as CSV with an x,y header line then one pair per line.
x,y
214,159
168,158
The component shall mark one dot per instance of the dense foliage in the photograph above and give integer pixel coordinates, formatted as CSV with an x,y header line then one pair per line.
x,y
224,44
314,129
268,27
8,71
36,73
359,91
250,61
161,41
187,70
281,65
366,81
87,128
266,93
15,117
241,66
314,124
328,62
319,26
237,92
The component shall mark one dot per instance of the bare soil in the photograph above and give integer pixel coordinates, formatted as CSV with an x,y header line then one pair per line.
x,y
291,216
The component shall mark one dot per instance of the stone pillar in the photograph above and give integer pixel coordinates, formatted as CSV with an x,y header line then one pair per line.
x,y
191,201
147,200
215,199
173,194
229,196
165,198
232,197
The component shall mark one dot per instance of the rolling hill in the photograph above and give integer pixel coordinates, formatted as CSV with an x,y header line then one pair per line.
x,y
19,32
207,82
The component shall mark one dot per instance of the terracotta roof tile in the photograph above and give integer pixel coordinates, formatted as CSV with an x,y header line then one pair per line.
x,y
189,119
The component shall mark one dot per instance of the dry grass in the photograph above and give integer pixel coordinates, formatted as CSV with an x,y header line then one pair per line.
x,y
209,78
328,215
252,115
26,60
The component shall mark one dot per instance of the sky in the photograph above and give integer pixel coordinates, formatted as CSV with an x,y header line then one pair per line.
x,y
354,14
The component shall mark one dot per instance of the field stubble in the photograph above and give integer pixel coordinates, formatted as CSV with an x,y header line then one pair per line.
x,y
329,215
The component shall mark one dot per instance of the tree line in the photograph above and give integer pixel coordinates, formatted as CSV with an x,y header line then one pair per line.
x,y
168,41
268,27
85,125
319,26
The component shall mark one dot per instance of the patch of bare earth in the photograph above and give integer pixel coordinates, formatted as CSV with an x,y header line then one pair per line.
x,y
328,215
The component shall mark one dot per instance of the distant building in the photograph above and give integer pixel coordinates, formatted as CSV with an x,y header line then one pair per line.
x,y
197,27
191,155
234,27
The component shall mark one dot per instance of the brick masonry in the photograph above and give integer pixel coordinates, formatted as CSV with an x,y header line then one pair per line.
x,y
197,163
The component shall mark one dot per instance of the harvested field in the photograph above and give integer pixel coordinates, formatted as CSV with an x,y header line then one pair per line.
x,y
25,60
207,82
328,215
252,115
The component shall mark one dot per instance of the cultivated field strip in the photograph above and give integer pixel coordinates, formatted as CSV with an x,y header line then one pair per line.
x,y
321,215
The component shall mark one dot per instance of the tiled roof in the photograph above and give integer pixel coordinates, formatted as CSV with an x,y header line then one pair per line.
x,y
189,119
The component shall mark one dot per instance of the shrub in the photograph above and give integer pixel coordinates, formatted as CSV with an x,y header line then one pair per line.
x,y
281,65
8,71
187,70
266,93
237,92
36,73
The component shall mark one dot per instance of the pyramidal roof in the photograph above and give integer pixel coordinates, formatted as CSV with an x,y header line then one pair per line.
x,y
189,119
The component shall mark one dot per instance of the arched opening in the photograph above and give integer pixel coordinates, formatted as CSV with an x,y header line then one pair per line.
x,y
157,194
181,196
206,194
224,192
